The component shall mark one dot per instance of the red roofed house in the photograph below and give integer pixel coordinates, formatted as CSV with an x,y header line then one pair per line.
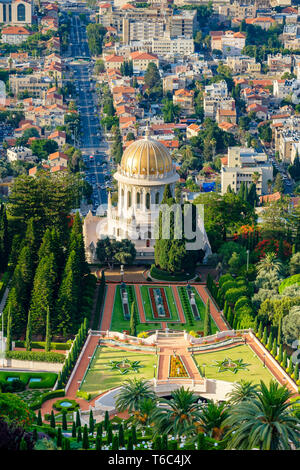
x,y
141,60
192,130
226,115
265,22
185,99
58,159
59,137
229,42
113,62
260,111
14,34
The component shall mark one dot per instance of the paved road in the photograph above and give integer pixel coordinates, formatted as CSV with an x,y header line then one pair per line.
x,y
91,142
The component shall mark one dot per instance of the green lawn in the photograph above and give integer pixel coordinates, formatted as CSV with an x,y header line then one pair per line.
x,y
100,378
256,371
118,323
148,307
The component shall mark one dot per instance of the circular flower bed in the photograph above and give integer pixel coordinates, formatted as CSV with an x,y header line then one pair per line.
x,y
228,364
65,404
125,366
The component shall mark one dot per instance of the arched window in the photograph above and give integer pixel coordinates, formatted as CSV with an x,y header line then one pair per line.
x,y
4,12
9,13
147,201
157,198
129,198
21,12
138,198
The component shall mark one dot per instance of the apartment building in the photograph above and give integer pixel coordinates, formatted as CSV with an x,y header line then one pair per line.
x,y
185,99
172,46
15,154
141,60
279,63
288,142
216,97
283,88
243,64
240,166
229,42
237,10
34,84
14,35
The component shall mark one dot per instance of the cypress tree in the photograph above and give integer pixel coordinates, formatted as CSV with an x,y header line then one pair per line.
x,y
157,444
274,347
279,332
34,434
67,444
64,421
134,438
85,440
260,330
270,341
59,437
280,254
164,442
121,436
52,419
173,445
73,429
129,442
23,444
265,336
284,359
230,316
48,332
201,442
106,421
225,309
207,324
4,239
98,443
279,357
39,420
290,368
99,430
28,342
296,371
91,422
115,443
78,420
109,434
9,332
132,321
255,326
79,434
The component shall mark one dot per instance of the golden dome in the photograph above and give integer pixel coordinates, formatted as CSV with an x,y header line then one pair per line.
x,y
146,157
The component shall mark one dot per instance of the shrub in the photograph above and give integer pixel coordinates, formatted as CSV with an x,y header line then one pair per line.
x,y
289,282
46,396
225,278
143,334
85,395
57,405
41,345
228,285
249,274
241,302
233,294
36,356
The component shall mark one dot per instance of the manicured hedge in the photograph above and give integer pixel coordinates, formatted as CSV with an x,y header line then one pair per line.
x,y
46,396
48,378
41,345
166,276
36,356
73,407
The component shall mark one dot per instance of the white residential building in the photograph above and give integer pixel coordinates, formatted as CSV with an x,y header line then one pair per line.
x,y
19,153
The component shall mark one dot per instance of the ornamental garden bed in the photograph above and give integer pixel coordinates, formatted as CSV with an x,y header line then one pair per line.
x,y
150,307
177,368
30,379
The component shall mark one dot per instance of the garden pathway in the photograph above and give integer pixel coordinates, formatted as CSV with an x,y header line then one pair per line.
x,y
108,307
140,303
215,313
178,304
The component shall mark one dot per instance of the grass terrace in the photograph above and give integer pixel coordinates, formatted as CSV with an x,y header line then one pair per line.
x,y
101,377
255,373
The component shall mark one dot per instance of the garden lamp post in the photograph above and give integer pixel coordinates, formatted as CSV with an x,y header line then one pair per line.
x,y
203,369
264,360
122,272
154,370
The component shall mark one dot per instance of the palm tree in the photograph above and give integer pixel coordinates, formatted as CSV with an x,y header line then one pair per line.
x,y
243,390
269,183
264,422
269,263
212,419
180,415
143,416
255,177
132,393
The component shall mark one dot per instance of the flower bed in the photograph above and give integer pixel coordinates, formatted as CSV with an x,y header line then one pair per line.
x,y
66,404
177,368
164,301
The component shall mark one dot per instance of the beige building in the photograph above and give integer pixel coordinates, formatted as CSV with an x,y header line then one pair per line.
x,y
288,141
185,99
34,84
19,153
243,64
243,165
166,45
14,35
16,12
141,60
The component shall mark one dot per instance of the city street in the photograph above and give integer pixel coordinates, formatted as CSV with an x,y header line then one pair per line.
x,y
91,139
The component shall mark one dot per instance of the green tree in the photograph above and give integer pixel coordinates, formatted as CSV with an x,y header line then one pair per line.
x,y
242,391
133,320
52,419
132,393
28,340
85,439
48,333
9,331
207,320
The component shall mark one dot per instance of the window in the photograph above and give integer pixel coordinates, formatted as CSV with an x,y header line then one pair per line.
x,y
157,198
147,201
21,12
129,198
9,13
138,198
4,12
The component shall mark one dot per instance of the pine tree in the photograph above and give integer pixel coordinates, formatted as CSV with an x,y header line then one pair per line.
x,y
115,443
207,322
48,332
73,429
59,437
39,420
255,326
67,444
225,309
64,421
52,419
85,439
28,342
230,316
91,422
79,434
